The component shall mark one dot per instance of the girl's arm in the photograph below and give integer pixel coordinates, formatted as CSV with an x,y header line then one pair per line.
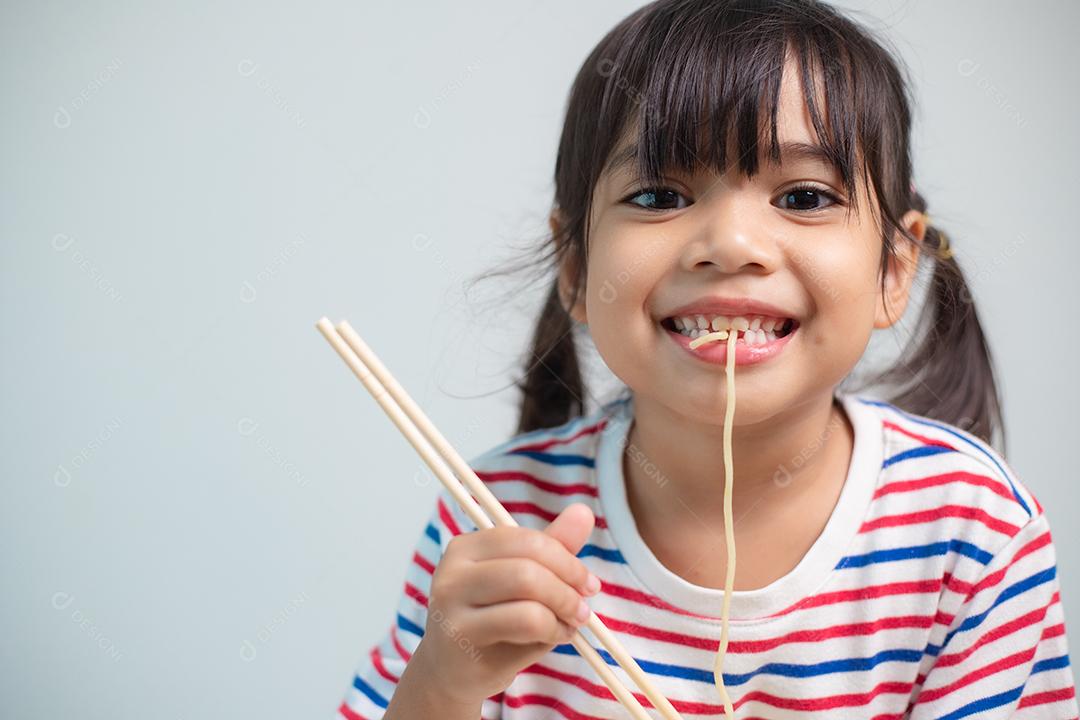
x,y
416,696
1005,653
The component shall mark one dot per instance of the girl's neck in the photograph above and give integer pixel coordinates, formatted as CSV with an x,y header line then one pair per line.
x,y
674,465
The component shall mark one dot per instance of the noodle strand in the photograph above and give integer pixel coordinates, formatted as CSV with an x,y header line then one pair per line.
x,y
729,531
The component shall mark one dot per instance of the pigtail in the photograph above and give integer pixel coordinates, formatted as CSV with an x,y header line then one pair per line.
x,y
948,373
552,387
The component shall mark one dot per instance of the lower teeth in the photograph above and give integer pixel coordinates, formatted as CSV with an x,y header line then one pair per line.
x,y
750,337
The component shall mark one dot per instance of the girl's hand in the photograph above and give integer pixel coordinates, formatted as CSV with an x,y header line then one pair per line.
x,y
501,598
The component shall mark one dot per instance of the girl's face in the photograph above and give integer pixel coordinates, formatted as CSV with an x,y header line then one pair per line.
x,y
704,244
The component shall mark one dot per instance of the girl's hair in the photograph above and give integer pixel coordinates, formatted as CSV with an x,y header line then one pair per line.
x,y
681,77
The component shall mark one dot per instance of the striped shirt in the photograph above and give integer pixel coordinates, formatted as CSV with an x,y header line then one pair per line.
x,y
931,593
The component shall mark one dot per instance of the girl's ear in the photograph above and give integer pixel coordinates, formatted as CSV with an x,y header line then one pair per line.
x,y
567,274
900,272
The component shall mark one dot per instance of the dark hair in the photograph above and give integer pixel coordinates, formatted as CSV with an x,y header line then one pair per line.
x,y
685,76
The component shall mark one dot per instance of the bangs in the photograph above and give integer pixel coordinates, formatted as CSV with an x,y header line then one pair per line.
x,y
712,85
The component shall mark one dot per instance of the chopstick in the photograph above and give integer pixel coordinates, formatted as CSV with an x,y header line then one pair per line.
x,y
485,510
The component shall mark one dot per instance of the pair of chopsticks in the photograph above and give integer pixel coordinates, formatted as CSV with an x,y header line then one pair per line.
x,y
485,511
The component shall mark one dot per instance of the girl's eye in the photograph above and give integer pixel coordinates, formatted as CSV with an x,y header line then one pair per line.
x,y
806,199
651,197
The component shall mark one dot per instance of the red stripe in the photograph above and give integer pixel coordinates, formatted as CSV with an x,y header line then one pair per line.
x,y
448,519
855,594
925,516
1010,661
529,508
401,650
763,645
423,562
925,439
581,683
602,692
956,585
545,485
829,702
1053,631
642,598
545,444
701,708
995,577
349,713
1048,696
866,593
520,507
377,662
944,618
549,702
992,484
414,592
1004,630
538,700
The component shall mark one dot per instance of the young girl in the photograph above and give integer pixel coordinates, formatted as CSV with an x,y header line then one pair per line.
x,y
741,165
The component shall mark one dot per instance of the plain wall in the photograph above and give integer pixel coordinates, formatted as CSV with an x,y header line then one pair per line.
x,y
204,514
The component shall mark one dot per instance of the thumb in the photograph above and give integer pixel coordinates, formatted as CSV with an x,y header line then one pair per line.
x,y
572,527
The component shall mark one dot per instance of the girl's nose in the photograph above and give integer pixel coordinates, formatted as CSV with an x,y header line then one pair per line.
x,y
730,236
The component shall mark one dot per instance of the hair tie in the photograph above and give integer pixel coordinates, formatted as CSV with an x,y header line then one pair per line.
x,y
944,249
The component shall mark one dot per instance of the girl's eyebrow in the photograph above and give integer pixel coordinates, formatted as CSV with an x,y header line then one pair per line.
x,y
790,152
795,151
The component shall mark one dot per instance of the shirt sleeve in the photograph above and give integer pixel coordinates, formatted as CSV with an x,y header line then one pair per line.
x,y
1005,653
379,671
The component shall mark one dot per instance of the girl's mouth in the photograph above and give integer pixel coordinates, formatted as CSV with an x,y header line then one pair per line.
x,y
760,337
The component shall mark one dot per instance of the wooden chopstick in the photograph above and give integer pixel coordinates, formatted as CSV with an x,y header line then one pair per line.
x,y
424,436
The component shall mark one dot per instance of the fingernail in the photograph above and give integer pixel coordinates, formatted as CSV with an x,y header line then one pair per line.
x,y
583,612
592,585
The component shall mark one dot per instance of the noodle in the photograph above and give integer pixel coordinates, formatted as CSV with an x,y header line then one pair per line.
x,y
729,531
721,335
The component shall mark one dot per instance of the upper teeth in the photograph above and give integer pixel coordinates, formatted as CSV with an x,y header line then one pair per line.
x,y
755,329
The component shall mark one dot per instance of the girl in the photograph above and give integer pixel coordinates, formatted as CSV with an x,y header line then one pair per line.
x,y
744,165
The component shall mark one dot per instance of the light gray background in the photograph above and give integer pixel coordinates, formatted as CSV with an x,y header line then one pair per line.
x,y
204,514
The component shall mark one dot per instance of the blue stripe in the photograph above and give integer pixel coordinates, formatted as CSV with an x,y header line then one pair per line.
x,y
1043,576
603,553
1061,661
409,626
359,684
829,666
921,451
432,532
915,551
653,668
986,703
781,669
954,433
556,459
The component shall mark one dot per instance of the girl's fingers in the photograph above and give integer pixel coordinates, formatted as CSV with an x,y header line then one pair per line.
x,y
508,579
519,622
506,542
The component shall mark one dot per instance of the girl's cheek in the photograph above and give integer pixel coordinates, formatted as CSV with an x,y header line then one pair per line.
x,y
838,274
